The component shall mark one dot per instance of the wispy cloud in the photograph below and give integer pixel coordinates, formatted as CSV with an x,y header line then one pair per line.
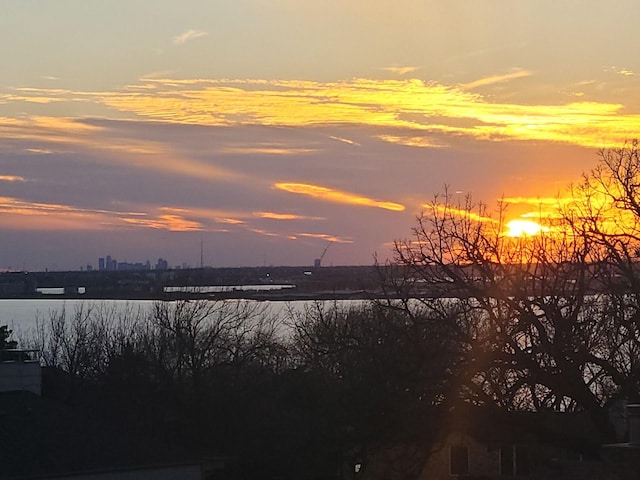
x,y
619,70
205,215
39,151
266,233
284,216
172,223
16,213
79,134
188,35
459,212
411,141
268,149
491,79
156,74
400,70
27,215
11,178
337,196
345,140
326,237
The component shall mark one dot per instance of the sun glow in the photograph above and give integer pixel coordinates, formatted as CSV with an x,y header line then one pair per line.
x,y
524,228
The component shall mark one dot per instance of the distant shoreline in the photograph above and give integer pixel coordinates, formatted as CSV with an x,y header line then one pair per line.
x,y
236,295
250,283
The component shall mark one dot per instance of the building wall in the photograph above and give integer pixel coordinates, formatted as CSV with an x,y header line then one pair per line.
x,y
180,472
484,461
20,376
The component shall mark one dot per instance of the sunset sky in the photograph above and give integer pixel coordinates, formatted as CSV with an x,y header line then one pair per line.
x,y
269,129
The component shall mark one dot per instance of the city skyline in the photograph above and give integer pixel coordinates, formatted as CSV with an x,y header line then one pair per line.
x,y
262,131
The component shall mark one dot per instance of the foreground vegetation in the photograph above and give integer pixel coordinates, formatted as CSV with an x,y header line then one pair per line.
x,y
543,323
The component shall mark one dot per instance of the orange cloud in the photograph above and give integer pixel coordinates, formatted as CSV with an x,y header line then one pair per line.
x,y
533,200
24,215
11,178
459,212
411,104
386,103
264,232
413,141
230,221
21,214
215,215
326,237
173,223
284,216
17,213
337,196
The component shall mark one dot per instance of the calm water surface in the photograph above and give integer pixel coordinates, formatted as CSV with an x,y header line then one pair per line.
x,y
21,315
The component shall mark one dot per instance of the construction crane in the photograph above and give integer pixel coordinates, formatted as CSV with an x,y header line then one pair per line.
x,y
318,261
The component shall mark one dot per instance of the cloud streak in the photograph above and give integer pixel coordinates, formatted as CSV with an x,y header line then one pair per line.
x,y
492,79
330,195
11,178
398,70
22,214
26,215
187,36
325,237
460,213
268,149
284,216
111,145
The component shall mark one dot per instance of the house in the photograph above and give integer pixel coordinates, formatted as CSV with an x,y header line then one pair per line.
x,y
42,436
485,443
20,371
482,443
624,457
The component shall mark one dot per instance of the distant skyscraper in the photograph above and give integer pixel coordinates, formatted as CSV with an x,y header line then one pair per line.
x,y
111,264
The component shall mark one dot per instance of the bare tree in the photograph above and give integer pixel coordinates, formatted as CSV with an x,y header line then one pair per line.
x,y
187,338
523,307
607,208
382,376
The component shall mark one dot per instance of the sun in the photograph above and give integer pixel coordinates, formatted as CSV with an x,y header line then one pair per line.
x,y
524,228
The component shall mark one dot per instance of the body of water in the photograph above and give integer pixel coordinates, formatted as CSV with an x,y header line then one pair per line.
x,y
22,315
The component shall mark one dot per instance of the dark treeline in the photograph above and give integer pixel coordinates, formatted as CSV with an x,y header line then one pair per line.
x,y
305,396
548,323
